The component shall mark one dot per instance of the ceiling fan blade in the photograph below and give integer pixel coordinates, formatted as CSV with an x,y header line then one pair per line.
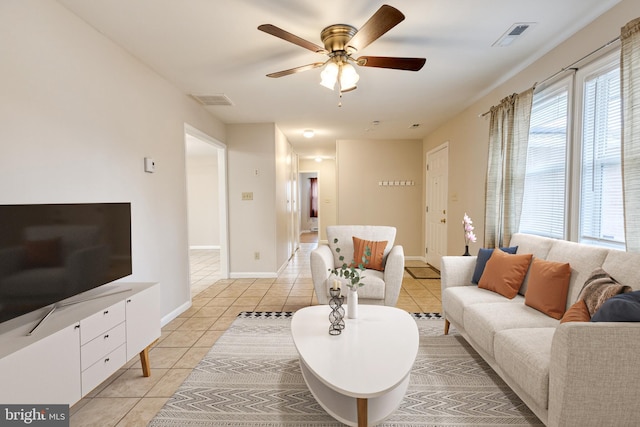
x,y
410,64
296,70
382,21
291,38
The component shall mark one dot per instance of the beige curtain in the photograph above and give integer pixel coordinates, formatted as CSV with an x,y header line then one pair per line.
x,y
630,91
508,137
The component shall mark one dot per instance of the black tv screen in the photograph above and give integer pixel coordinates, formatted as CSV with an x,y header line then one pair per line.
x,y
50,252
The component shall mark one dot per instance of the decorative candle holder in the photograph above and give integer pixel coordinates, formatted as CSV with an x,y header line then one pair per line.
x,y
336,317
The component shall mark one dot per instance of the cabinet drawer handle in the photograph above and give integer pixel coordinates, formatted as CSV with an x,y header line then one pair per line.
x,y
106,312
106,360
129,300
106,336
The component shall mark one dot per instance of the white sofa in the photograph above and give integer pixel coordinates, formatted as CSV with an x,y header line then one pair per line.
x,y
569,374
381,287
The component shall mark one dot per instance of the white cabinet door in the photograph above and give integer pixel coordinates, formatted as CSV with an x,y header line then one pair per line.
x,y
143,320
47,371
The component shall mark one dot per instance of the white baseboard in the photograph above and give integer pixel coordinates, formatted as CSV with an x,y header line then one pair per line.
x,y
175,313
204,247
253,275
415,258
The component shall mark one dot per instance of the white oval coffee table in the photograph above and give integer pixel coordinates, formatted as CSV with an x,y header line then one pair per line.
x,y
360,376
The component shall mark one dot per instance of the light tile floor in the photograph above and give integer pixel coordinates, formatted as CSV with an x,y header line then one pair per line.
x,y
129,399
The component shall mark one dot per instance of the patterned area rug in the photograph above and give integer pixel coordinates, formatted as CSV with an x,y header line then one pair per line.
x,y
423,272
251,377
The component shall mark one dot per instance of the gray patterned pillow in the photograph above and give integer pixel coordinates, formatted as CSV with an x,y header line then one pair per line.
x,y
598,288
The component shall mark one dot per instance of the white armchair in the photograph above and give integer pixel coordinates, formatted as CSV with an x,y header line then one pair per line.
x,y
381,287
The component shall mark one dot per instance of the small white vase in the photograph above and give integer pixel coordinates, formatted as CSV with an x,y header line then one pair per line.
x,y
352,304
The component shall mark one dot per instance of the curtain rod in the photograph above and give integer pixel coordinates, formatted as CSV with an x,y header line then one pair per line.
x,y
569,67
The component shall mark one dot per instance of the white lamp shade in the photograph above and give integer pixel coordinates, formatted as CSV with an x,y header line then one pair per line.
x,y
348,77
329,75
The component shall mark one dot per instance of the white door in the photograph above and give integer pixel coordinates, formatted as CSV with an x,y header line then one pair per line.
x,y
436,215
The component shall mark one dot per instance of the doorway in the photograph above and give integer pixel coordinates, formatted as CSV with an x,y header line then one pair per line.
x,y
437,183
206,174
309,185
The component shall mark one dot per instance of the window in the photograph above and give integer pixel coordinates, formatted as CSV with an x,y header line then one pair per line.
x,y
601,210
543,210
573,183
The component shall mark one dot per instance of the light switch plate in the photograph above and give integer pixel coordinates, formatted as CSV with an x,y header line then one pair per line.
x,y
149,165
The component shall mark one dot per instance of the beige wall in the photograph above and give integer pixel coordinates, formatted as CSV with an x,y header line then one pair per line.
x,y
252,224
361,165
259,161
78,115
468,134
203,198
327,211
284,201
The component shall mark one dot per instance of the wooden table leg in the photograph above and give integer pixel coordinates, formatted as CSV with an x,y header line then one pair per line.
x,y
144,360
363,412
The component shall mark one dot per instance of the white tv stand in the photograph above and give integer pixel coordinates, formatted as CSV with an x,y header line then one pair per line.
x,y
79,345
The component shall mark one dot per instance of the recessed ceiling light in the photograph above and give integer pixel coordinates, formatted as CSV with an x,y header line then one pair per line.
x,y
308,133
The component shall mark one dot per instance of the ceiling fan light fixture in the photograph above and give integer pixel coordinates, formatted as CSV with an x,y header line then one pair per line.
x,y
329,75
348,77
308,133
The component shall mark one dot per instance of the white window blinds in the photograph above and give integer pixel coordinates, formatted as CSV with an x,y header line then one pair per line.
x,y
543,210
601,205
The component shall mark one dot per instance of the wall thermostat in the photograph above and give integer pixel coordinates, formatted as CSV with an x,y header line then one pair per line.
x,y
149,165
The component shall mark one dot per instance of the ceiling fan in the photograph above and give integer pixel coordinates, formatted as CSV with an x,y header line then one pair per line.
x,y
341,41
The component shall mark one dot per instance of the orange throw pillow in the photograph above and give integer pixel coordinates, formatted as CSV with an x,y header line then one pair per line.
x,y
578,312
504,273
374,261
548,287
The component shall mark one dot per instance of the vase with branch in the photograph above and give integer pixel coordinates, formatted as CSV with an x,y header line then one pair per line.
x,y
469,235
352,275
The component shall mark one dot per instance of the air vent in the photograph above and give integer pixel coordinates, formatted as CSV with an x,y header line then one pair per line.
x,y
220,99
512,34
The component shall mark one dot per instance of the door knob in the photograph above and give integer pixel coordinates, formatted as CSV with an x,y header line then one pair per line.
x,y
443,220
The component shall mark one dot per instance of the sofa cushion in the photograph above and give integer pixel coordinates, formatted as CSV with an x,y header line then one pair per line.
x,y
504,273
481,261
482,321
578,312
548,286
617,265
524,355
598,288
583,259
620,308
456,298
375,259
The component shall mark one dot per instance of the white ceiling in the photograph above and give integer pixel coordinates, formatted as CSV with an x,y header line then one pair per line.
x,y
212,47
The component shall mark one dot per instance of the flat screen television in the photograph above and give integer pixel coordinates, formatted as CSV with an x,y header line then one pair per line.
x,y
50,252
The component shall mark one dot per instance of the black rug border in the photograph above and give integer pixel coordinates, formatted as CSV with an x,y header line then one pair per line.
x,y
288,314
424,278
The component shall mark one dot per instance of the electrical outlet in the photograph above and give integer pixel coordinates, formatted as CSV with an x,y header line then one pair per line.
x,y
256,256
247,195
